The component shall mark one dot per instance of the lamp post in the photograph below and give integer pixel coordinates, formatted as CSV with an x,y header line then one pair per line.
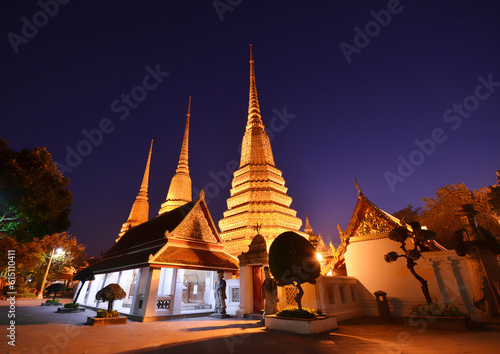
x,y
59,251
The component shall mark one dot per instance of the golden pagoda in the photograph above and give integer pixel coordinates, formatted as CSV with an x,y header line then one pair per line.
x,y
258,193
179,192
140,209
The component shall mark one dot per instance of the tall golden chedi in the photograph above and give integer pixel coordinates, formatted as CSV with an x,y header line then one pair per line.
x,y
258,193
179,192
140,209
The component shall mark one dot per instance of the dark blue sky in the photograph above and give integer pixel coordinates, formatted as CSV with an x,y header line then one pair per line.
x,y
431,70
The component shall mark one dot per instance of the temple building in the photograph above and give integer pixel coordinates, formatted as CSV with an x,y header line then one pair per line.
x,y
166,265
258,193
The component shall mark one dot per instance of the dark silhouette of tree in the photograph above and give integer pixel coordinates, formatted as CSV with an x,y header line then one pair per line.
x,y
410,213
34,199
55,288
83,276
419,238
110,293
293,260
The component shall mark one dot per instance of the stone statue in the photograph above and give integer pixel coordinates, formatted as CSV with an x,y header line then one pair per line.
x,y
480,248
220,294
270,292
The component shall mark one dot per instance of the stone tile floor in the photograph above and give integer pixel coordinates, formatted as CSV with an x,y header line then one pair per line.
x,y
42,330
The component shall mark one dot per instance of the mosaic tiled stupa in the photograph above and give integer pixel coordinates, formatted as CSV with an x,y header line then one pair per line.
x,y
258,193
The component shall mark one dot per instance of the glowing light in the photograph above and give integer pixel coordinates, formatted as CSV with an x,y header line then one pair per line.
x,y
318,255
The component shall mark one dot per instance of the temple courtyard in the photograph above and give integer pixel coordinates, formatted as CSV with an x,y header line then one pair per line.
x,y
42,330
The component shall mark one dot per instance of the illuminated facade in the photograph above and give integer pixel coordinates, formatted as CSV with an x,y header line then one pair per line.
x,y
258,193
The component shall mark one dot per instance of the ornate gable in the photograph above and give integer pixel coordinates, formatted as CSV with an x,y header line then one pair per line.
x,y
196,227
368,221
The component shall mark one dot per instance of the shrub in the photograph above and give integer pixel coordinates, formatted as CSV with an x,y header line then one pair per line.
x,y
71,305
107,314
437,310
54,301
292,312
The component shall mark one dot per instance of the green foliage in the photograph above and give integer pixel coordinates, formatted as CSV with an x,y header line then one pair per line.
x,y
34,200
110,293
32,257
53,301
71,305
436,310
107,314
292,312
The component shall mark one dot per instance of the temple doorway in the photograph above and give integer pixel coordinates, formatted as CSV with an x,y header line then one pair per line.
x,y
258,300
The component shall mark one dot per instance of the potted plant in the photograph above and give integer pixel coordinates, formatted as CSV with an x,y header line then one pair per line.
x,y
54,288
108,294
293,261
70,307
435,315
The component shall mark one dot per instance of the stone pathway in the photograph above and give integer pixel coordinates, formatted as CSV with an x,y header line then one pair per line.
x,y
42,330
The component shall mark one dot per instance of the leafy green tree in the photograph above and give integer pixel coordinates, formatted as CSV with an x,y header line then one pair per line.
x,y
34,199
419,238
293,260
439,211
32,257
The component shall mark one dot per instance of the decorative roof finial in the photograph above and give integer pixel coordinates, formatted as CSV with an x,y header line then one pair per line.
x,y
357,186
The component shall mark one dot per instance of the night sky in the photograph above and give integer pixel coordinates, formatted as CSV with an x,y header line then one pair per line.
x,y
338,103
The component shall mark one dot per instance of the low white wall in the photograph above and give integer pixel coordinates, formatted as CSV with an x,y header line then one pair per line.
x,y
446,274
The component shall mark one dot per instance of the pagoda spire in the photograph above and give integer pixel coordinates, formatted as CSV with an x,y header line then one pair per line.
x,y
254,117
140,209
258,193
179,192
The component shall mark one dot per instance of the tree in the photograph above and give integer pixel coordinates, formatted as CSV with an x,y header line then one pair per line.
x,y
410,213
420,238
34,199
32,257
110,293
82,276
439,211
55,288
293,260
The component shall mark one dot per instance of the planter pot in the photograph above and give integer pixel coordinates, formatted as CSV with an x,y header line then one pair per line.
x,y
94,321
452,323
51,304
68,310
301,325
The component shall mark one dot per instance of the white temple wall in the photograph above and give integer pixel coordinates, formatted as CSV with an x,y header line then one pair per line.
x,y
446,274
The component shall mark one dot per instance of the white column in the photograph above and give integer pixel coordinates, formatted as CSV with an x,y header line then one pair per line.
x,y
151,292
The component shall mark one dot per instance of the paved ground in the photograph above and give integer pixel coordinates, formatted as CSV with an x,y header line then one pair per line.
x,y
42,330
